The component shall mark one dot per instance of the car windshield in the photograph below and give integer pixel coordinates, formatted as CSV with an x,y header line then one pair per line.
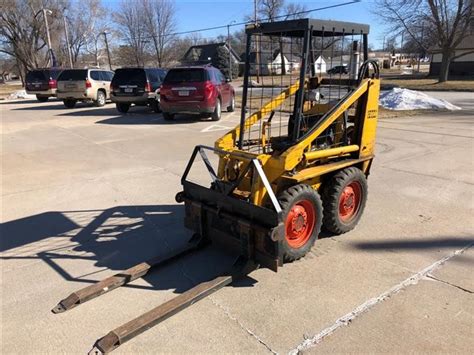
x,y
73,75
36,75
185,75
129,76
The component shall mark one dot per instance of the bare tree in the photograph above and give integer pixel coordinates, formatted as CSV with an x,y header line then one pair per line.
x,y
22,30
295,11
447,20
85,21
269,10
131,20
160,24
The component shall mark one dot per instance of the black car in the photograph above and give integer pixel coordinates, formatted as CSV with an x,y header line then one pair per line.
x,y
338,69
137,86
42,83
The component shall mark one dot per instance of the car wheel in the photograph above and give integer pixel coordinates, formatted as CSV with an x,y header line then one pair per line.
x,y
155,105
69,103
100,98
231,107
42,98
216,115
122,108
168,116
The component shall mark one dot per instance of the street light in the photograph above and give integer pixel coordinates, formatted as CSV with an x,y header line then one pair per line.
x,y
45,13
230,48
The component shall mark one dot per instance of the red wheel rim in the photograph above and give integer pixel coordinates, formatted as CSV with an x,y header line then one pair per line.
x,y
349,201
300,223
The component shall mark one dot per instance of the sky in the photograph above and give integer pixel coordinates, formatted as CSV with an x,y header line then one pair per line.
x,y
198,14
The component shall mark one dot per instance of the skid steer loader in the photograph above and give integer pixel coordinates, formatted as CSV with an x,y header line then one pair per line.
x,y
297,162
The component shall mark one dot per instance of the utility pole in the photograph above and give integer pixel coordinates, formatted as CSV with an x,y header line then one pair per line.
x,y
230,50
107,48
48,37
67,42
419,55
257,43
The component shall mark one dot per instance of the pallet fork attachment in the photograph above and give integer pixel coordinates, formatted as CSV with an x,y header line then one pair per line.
x,y
111,283
129,330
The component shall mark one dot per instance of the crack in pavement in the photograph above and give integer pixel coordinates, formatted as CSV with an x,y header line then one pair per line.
x,y
369,304
429,276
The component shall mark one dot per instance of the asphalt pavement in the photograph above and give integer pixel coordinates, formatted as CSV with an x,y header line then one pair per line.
x,y
88,192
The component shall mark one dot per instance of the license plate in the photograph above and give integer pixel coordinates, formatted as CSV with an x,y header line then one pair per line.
x,y
37,85
70,86
183,93
128,90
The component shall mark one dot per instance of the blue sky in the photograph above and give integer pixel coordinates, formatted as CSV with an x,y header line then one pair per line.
x,y
197,14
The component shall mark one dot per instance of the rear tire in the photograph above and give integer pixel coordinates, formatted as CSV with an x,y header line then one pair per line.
x,y
69,103
101,99
42,98
344,199
216,115
155,106
302,215
168,116
122,108
231,107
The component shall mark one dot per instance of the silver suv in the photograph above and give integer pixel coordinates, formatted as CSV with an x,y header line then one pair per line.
x,y
84,85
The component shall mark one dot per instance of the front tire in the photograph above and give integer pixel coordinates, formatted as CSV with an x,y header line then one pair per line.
x,y
122,108
69,103
42,98
100,99
216,115
302,215
231,107
344,199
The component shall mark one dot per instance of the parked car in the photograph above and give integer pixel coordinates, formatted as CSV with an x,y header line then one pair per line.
x,y
137,86
84,85
42,83
338,69
196,90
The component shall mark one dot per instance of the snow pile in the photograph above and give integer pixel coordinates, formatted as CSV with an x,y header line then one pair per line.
x,y
404,99
20,94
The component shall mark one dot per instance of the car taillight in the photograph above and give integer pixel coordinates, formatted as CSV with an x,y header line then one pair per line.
x,y
88,84
147,87
53,84
208,89
111,88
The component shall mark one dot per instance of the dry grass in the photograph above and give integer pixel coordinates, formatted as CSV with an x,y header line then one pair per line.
x,y
7,89
428,84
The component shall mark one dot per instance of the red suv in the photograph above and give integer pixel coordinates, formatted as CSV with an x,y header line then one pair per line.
x,y
196,90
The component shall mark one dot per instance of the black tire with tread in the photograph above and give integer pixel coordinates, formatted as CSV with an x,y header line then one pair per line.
x,y
331,193
41,98
231,107
155,106
122,108
287,199
69,103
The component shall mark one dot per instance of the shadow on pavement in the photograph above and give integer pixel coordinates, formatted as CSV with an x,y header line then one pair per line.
x,y
114,239
157,119
415,244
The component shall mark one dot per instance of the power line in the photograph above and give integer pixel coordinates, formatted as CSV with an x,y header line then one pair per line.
x,y
251,22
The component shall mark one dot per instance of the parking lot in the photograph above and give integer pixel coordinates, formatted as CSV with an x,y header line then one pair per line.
x,y
87,192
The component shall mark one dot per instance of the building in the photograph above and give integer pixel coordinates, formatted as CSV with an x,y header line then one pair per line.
x,y
208,54
462,64
271,63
